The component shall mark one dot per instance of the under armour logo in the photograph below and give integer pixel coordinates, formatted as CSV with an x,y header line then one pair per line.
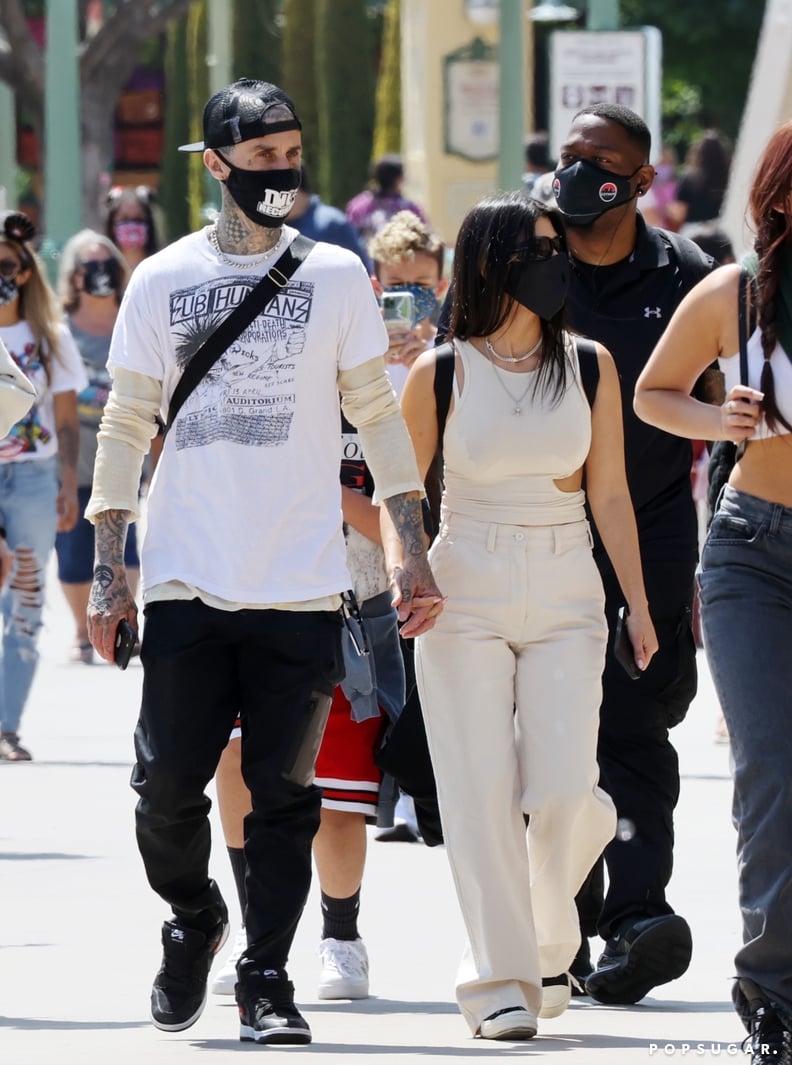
x,y
653,312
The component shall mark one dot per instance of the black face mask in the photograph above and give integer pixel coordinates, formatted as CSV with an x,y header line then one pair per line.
x,y
265,196
101,277
584,192
540,286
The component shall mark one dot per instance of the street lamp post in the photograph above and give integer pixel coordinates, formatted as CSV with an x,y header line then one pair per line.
x,y
512,94
603,15
62,158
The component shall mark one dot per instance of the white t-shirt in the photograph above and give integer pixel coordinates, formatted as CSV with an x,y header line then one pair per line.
x,y
34,437
246,500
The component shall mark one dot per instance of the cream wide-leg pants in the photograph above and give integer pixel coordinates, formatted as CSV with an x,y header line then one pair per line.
x,y
510,685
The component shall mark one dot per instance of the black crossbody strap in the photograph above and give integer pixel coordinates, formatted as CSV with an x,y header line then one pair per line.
x,y
742,325
237,321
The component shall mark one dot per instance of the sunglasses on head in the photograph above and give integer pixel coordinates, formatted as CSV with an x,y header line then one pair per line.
x,y
9,268
537,250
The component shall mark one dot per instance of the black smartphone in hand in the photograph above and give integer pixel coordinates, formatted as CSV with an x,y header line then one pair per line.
x,y
622,646
125,640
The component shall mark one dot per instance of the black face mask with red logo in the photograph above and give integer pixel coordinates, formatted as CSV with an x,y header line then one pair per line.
x,y
584,192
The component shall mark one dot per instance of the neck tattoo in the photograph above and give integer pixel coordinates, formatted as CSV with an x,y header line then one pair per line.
x,y
211,236
516,400
512,358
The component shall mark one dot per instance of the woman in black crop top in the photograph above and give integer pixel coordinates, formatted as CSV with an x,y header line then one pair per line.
x,y
745,576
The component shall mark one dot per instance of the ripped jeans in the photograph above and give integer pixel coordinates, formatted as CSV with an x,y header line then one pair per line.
x,y
28,492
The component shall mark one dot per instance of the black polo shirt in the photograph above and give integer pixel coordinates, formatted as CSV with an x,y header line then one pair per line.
x,y
626,307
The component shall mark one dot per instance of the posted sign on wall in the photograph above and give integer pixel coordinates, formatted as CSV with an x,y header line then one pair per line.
x,y
617,67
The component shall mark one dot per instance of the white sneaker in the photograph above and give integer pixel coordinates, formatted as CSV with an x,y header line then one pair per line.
x,y
345,969
512,1024
556,994
225,980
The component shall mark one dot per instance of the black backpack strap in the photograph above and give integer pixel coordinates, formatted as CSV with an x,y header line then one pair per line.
x,y
443,385
589,367
694,264
433,483
237,321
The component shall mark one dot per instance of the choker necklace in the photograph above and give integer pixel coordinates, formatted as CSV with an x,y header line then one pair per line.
x,y
512,358
516,400
211,236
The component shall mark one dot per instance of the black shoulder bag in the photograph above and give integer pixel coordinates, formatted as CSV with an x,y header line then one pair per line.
x,y
725,453
238,320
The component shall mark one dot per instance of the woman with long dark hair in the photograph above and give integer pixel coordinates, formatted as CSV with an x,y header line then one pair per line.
x,y
510,677
38,460
745,576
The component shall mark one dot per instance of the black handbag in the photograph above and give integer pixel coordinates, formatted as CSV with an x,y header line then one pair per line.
x,y
239,319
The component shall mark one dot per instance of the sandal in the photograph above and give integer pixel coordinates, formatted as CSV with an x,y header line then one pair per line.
x,y
81,652
12,750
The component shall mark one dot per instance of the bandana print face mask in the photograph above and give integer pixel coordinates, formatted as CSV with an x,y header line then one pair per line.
x,y
9,291
131,234
425,301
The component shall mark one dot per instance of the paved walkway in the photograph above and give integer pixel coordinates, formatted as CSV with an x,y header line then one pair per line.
x,y
80,928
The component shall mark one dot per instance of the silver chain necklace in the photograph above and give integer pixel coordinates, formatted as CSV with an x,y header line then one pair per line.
x,y
512,358
211,236
516,400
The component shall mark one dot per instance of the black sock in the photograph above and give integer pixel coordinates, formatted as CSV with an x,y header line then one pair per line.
x,y
339,917
239,868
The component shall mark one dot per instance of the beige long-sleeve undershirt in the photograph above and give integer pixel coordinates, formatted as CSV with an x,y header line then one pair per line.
x,y
129,423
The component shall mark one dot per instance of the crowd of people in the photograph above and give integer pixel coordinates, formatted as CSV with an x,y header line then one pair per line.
x,y
557,389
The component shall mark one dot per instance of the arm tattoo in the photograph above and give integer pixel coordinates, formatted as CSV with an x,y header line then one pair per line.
x,y
109,583
110,532
406,515
68,444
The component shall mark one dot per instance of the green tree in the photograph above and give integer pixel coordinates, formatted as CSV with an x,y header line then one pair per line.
x,y
173,185
388,123
256,43
345,76
197,90
709,46
106,61
298,71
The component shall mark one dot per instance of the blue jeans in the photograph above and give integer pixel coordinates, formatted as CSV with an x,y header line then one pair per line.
x,y
746,608
28,491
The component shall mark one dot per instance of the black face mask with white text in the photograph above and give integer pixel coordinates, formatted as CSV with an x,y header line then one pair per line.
x,y
584,192
265,196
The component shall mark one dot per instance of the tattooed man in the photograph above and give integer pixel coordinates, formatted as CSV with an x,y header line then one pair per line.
x,y
243,558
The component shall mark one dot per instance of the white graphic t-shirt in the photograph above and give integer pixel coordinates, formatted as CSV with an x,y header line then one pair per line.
x,y
246,501
34,437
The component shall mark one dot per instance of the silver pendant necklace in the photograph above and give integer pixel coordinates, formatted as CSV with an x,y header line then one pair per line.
x,y
516,400
211,236
512,358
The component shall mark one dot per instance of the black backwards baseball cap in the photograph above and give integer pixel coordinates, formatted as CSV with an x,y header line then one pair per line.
x,y
242,111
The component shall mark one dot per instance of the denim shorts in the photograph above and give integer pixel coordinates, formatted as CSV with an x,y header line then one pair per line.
x,y
75,549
